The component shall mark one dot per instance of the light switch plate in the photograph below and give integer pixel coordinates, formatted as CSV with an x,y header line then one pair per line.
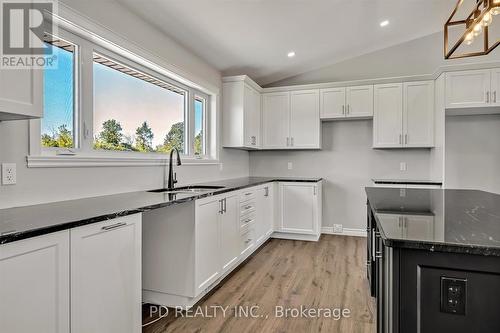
x,y
338,228
403,166
290,165
9,173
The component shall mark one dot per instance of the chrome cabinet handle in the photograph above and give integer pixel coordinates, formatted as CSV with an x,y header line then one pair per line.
x,y
248,207
314,190
221,211
266,193
348,108
406,139
224,203
400,139
291,141
114,226
287,141
343,109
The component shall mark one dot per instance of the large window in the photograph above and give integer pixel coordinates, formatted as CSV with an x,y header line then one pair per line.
x,y
114,105
136,112
58,123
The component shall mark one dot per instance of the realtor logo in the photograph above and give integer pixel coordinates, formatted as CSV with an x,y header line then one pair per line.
x,y
23,29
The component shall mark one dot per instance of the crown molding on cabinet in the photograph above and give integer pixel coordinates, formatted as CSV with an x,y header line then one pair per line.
x,y
397,79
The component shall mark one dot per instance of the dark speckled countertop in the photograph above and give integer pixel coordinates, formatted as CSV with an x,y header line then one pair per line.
x,y
462,221
29,221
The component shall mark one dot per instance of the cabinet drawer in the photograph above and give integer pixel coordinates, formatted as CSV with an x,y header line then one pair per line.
x,y
247,208
247,224
247,241
246,196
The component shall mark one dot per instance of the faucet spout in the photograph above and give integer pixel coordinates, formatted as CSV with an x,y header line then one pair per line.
x,y
172,178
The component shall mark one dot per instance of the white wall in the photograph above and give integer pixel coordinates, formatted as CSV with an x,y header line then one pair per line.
x,y
347,162
473,152
417,57
43,185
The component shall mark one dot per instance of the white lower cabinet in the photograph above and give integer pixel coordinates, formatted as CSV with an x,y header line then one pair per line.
x,y
229,232
207,230
300,210
264,213
34,285
106,276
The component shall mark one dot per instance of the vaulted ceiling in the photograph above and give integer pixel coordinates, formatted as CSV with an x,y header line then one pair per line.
x,y
253,37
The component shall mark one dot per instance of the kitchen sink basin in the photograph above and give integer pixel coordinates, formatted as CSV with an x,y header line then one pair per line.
x,y
189,189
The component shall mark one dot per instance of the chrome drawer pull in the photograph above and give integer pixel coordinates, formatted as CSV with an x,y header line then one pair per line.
x,y
114,226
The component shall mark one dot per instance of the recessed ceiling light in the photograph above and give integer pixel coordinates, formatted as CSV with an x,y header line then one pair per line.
x,y
384,23
291,54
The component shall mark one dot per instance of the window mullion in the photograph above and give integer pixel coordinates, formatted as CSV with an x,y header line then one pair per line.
x,y
190,121
86,91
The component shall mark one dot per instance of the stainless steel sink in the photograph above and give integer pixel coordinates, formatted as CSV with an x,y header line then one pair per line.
x,y
189,189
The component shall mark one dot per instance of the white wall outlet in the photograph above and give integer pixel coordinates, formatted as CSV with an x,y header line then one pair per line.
x,y
290,165
9,173
403,166
221,166
338,229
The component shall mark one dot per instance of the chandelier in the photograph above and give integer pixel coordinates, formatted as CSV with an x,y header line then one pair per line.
x,y
476,23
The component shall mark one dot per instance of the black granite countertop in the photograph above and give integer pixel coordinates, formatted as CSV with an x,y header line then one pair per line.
x,y
462,221
389,181
29,221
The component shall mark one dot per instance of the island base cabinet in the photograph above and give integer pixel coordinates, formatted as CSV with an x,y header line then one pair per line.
x,y
34,285
106,276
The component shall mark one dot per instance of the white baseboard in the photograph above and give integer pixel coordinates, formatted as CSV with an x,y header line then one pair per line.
x,y
346,232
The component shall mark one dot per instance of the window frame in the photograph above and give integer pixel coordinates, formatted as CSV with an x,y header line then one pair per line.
x,y
84,112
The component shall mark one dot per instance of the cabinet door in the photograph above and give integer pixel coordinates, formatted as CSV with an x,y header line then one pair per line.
x,y
495,87
275,120
418,114
207,253
21,93
264,213
393,224
34,285
106,276
467,89
419,227
230,232
359,101
252,117
332,103
299,208
304,119
387,118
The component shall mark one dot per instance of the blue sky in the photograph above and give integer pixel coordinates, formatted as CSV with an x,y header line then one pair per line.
x,y
116,96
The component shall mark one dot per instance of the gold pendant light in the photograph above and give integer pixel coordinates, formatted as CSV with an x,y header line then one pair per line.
x,y
475,24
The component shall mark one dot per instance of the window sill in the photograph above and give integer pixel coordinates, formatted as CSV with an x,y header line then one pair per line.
x,y
51,161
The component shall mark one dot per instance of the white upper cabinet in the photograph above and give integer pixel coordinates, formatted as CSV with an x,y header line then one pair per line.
x,y
466,89
404,115
359,102
418,114
495,87
241,114
275,120
21,94
304,119
106,276
388,116
332,103
350,102
34,285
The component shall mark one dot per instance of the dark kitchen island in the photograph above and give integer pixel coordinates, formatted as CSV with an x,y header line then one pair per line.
x,y
434,260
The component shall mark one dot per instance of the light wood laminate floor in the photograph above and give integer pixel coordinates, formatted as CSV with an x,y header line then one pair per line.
x,y
317,275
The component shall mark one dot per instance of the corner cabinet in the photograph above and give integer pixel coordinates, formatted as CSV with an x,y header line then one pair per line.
x,y
300,210
21,94
106,271
344,103
34,285
241,105
404,115
291,120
